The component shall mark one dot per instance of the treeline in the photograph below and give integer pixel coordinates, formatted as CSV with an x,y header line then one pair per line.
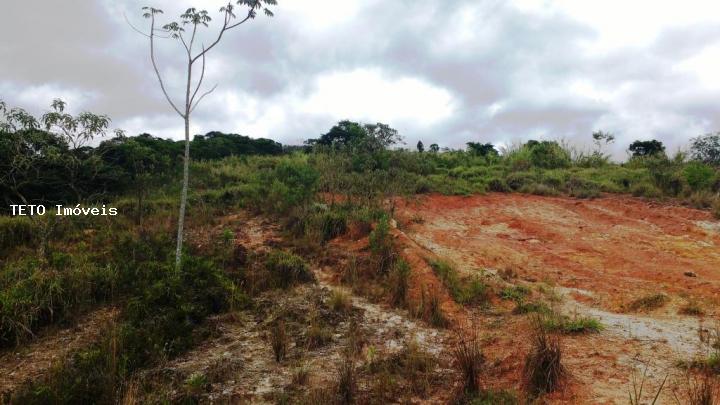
x,y
50,159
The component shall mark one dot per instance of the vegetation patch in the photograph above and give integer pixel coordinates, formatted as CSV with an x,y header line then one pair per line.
x,y
468,290
649,302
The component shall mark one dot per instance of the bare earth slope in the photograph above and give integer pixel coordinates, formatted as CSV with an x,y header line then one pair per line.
x,y
598,255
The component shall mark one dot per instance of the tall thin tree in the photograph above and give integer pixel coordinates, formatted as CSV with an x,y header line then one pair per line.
x,y
186,31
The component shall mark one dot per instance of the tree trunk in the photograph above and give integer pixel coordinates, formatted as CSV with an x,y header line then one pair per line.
x,y
183,197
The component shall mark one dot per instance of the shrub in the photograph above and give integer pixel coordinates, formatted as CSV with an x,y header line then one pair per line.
x,y
548,155
287,269
581,188
699,176
32,296
381,245
498,184
518,180
543,371
539,189
645,190
17,231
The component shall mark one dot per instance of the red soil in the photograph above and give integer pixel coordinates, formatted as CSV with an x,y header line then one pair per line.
x,y
618,247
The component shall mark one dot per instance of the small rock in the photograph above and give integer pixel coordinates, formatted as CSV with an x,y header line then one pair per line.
x,y
690,274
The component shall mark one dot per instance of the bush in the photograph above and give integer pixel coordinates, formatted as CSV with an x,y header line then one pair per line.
x,y
17,231
498,185
581,188
645,190
699,176
539,189
32,296
287,269
548,155
381,246
518,180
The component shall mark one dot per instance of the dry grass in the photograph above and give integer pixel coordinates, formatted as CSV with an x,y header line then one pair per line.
x,y
279,340
347,382
544,371
469,361
340,302
649,302
697,389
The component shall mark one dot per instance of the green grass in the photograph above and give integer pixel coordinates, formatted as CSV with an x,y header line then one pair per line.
x,y
555,322
468,290
515,293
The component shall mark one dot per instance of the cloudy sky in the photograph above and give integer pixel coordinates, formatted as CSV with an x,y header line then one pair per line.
x,y
441,71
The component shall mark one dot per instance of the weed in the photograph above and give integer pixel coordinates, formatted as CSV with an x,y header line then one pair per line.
x,y
531,307
346,384
697,389
469,361
636,394
195,383
399,283
692,308
436,316
340,302
649,302
515,293
463,291
300,375
382,246
554,322
279,340
544,370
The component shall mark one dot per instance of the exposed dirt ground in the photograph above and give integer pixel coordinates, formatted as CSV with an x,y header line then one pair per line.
x,y
596,257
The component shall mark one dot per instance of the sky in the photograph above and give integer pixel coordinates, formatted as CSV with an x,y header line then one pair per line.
x,y
444,72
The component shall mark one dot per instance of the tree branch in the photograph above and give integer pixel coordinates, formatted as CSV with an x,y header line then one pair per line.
x,y
157,71
202,76
203,96
225,27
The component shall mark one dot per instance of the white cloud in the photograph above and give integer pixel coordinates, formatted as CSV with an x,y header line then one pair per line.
x,y
366,94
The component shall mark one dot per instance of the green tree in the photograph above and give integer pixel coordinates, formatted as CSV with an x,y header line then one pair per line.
x,y
706,148
193,20
647,148
480,149
420,147
434,148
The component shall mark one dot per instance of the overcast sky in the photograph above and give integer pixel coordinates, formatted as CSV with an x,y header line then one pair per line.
x,y
445,72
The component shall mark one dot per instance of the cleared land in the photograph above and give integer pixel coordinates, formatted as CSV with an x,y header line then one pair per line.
x,y
605,258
